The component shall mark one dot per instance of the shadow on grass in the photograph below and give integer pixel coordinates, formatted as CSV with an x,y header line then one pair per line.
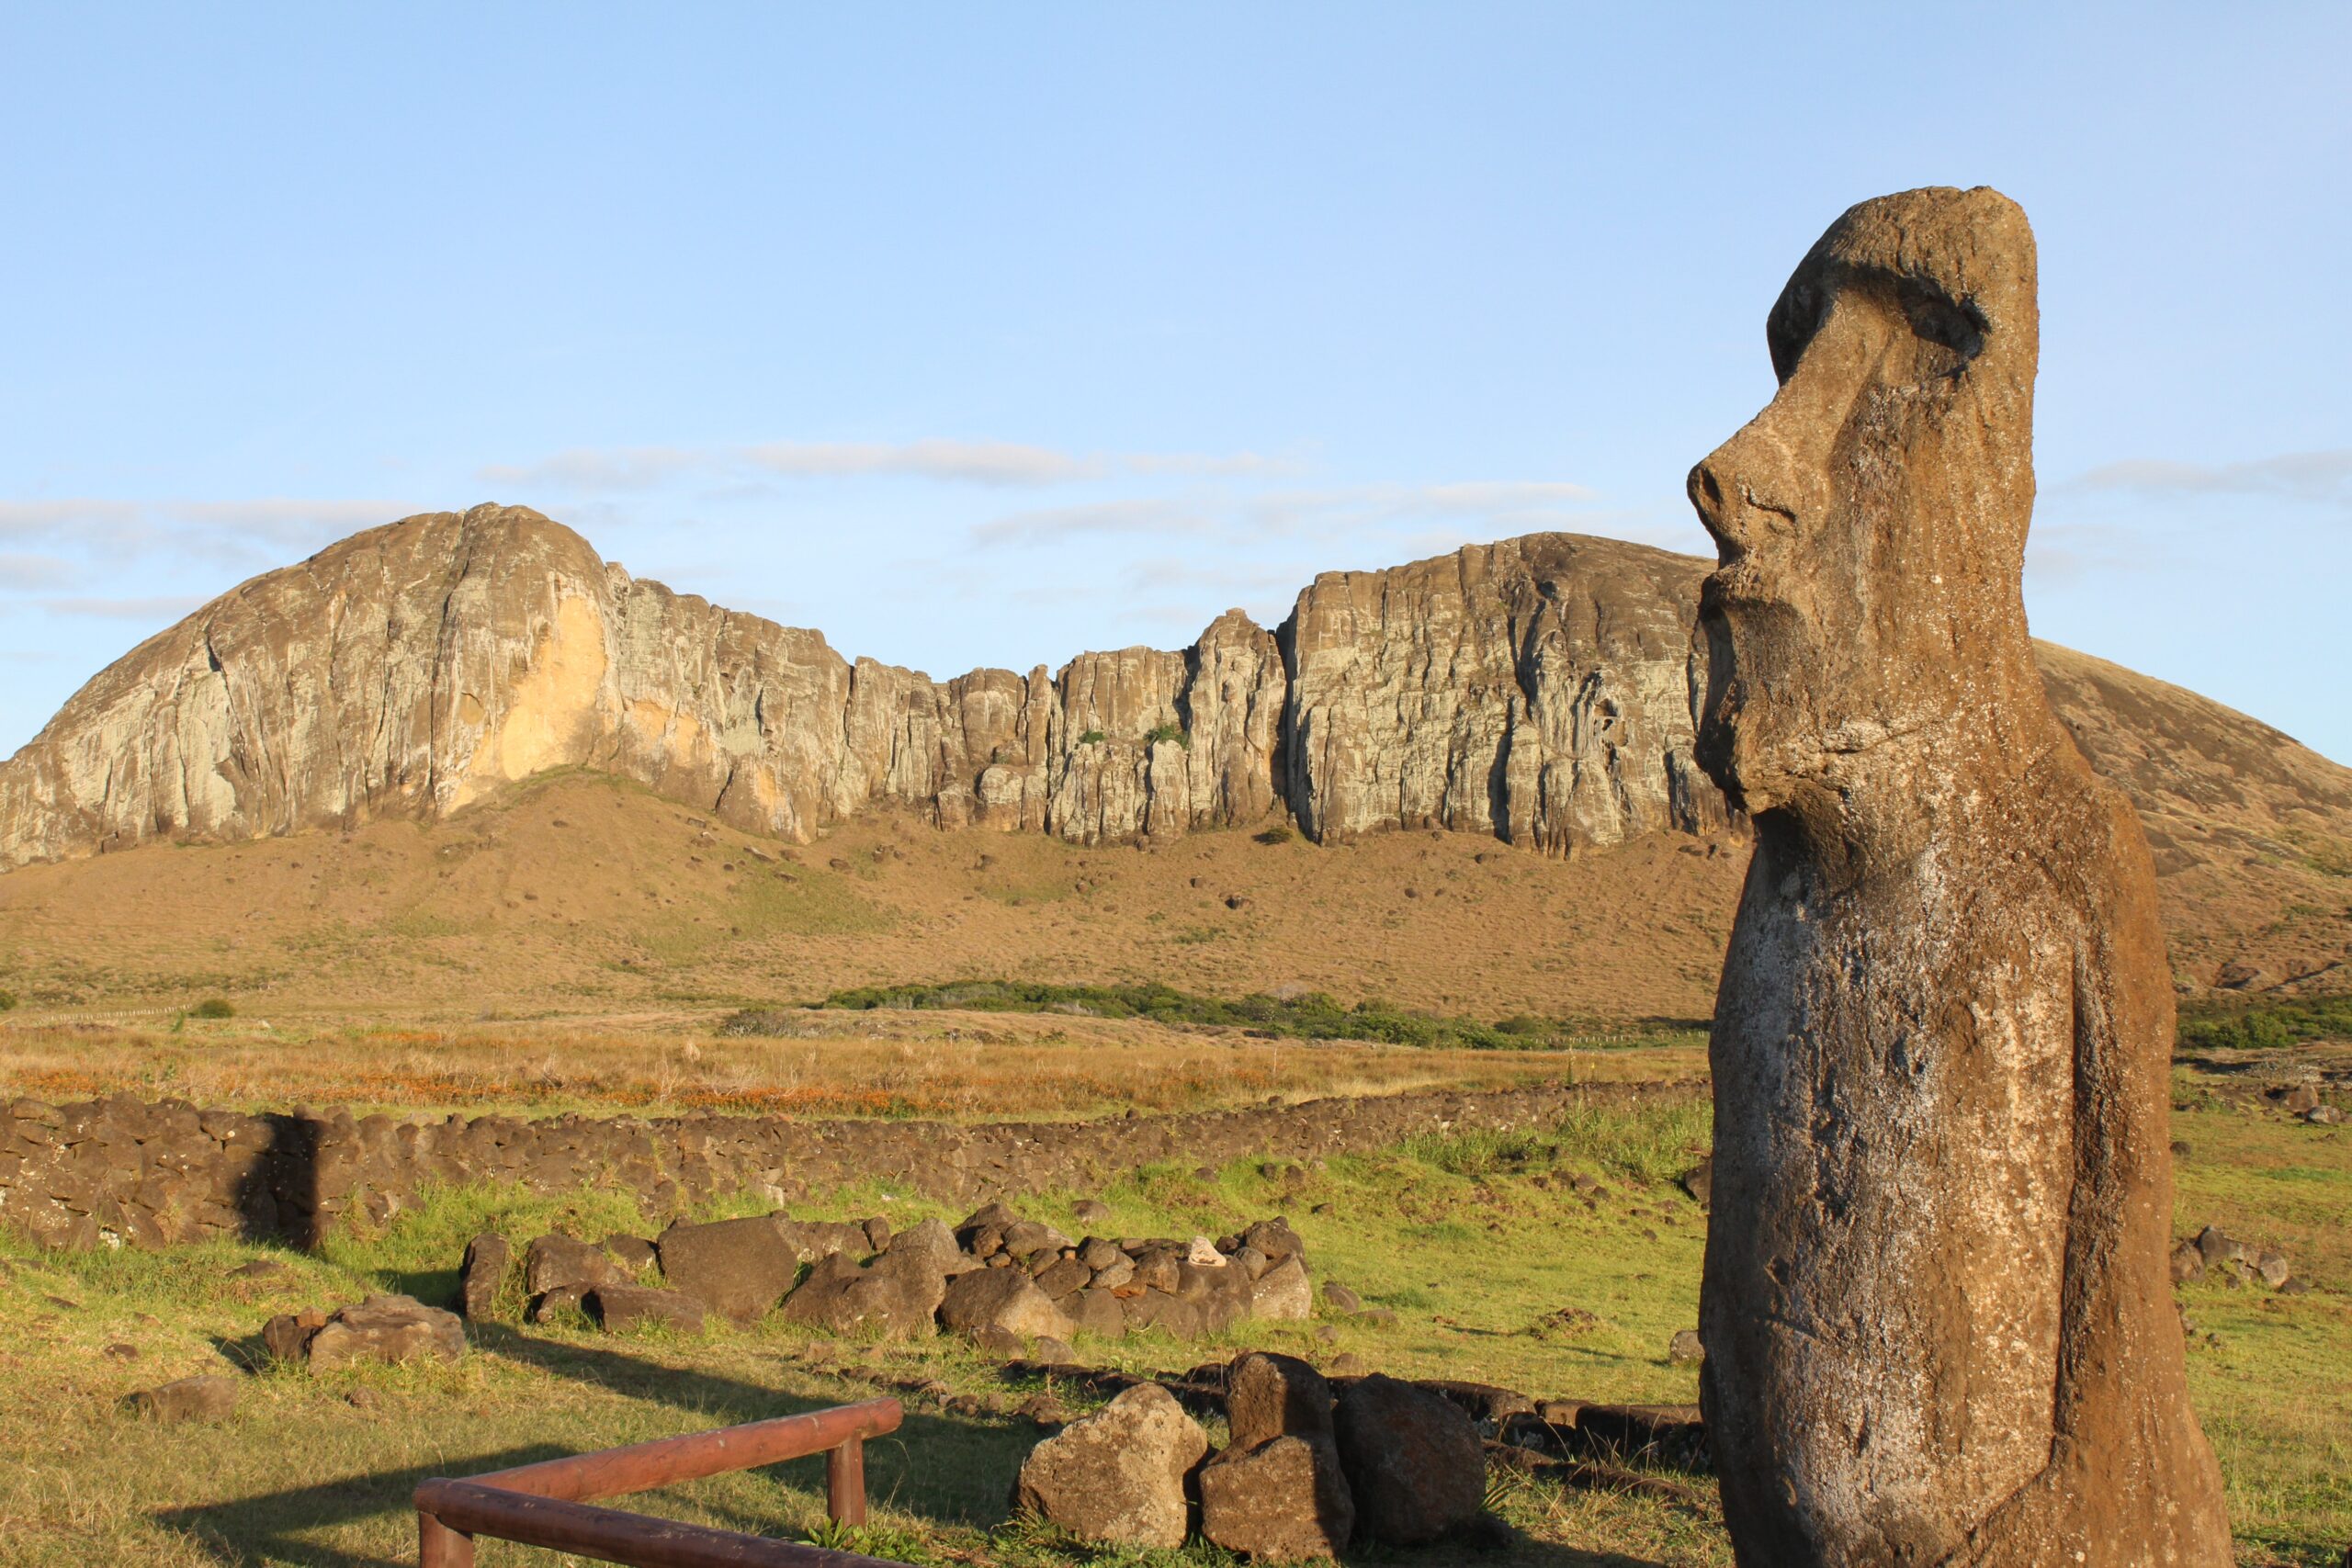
x,y
946,1472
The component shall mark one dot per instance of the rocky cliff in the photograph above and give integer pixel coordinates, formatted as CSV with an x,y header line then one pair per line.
x,y
1538,689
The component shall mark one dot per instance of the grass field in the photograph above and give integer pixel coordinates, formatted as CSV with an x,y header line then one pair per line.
x,y
1497,1267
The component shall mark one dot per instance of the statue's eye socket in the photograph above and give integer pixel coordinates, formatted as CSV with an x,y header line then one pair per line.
x,y
1954,324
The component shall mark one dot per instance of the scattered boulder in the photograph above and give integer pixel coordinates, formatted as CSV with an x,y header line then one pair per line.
x,y
631,1252
1064,1276
1096,1311
382,1329
1269,1395
556,1261
483,1273
2218,1246
2274,1268
2188,1263
1025,1238
1091,1211
1275,1238
548,1306
1412,1459
1685,1346
617,1308
1002,1298
1338,1298
210,1397
1283,1500
1053,1352
1699,1181
930,1246
898,1294
1284,1293
1002,1343
1118,1476
741,1268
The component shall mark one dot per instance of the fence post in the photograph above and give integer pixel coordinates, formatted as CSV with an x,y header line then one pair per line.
x,y
438,1546
845,1482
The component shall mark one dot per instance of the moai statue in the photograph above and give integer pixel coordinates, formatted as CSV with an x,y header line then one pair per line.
x,y
1938,1321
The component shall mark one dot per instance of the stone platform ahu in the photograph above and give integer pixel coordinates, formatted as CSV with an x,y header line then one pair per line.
x,y
1936,1311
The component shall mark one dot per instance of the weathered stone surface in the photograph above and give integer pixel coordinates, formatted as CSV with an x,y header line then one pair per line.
x,y
1118,1475
1097,1310
1282,1292
481,1273
1002,1298
210,1397
1269,1396
1535,689
631,1252
898,1294
1412,1458
620,1308
557,1261
382,1329
739,1267
1284,1500
1686,1346
933,1247
1949,941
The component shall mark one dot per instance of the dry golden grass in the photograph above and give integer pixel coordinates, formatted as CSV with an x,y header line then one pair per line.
x,y
579,896
855,1064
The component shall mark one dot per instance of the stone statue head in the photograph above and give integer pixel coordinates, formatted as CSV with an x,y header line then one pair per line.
x,y
1870,521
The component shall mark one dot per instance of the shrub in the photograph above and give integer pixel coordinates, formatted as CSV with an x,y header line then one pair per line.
x,y
214,1007
1279,833
7,1001
1092,738
2265,1025
1176,732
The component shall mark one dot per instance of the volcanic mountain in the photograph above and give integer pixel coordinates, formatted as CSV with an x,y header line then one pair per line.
x,y
1535,691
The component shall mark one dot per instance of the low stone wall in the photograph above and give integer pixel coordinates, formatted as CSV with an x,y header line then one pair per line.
x,y
122,1172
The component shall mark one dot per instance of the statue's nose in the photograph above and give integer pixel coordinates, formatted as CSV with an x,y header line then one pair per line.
x,y
1717,505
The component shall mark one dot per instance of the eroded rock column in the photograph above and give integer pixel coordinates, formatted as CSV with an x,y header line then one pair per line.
x,y
1937,1316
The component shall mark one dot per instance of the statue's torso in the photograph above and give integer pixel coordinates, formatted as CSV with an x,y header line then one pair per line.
x,y
1893,1143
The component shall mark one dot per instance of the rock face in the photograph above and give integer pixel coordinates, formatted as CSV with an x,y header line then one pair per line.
x,y
1118,1475
1539,689
1412,1458
382,1329
1935,1312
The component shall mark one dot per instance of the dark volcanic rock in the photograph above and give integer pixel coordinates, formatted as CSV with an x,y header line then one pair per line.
x,y
483,1273
739,1268
621,1307
1284,1500
210,1397
1413,1461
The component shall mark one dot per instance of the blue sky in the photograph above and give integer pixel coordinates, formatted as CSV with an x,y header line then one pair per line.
x,y
986,335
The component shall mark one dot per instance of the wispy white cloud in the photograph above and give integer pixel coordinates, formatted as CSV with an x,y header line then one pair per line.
x,y
162,608
1493,508
995,463
21,570
1139,515
2304,475
970,462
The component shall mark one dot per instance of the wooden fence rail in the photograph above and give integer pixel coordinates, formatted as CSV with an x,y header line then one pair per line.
x,y
548,1504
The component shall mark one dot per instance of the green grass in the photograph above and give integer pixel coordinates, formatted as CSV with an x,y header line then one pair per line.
x,y
1310,1016
2266,1024
301,1475
1500,1261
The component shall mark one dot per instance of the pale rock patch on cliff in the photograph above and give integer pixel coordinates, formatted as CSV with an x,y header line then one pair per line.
x,y
1538,689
